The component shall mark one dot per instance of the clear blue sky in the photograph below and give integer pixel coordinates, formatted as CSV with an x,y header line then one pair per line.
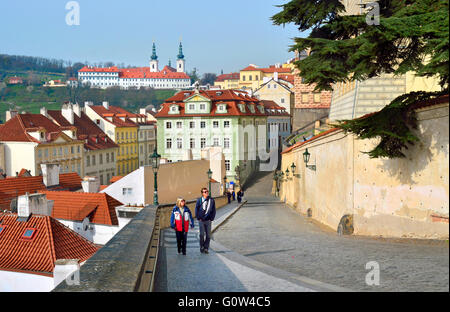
x,y
216,35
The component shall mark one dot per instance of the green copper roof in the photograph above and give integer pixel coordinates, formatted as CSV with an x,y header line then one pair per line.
x,y
180,52
154,56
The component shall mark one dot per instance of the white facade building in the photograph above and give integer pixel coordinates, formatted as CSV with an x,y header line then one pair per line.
x,y
138,77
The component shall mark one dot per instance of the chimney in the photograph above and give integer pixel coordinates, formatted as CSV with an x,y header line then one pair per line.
x,y
275,76
142,111
68,270
67,112
106,104
90,185
87,103
11,114
44,111
50,174
77,109
34,204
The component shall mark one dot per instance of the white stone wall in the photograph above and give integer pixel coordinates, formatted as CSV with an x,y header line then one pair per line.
x,y
19,155
135,182
25,282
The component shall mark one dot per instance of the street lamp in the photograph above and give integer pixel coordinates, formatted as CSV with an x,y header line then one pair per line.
x,y
287,173
209,172
155,159
293,168
306,156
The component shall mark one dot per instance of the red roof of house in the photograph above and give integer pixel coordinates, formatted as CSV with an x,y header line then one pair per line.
x,y
271,105
75,206
115,179
230,97
51,241
13,187
16,129
268,70
139,72
232,76
116,120
87,130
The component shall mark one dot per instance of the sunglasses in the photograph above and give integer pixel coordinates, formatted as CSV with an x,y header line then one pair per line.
x,y
205,192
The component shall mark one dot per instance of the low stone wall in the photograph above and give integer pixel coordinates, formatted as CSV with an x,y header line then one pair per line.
x,y
118,265
166,210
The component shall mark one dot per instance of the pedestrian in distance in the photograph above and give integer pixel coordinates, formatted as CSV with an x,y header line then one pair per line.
x,y
234,195
179,221
229,196
205,212
240,194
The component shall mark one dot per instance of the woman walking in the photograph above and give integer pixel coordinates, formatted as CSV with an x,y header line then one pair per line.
x,y
181,215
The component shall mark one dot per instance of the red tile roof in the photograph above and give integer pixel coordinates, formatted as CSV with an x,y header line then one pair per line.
x,y
115,179
139,72
11,188
16,129
51,242
232,76
117,121
268,70
87,130
279,110
75,206
230,97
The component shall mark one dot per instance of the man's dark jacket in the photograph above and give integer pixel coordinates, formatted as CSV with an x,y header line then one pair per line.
x,y
210,212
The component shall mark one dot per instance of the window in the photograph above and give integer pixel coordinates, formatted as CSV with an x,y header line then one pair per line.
x,y
191,106
88,161
282,101
226,143
127,191
39,153
112,156
192,124
60,151
168,143
202,142
168,125
243,78
101,160
202,124
141,149
215,141
202,106
93,160
215,124
179,143
72,149
227,165
46,152
305,97
29,233
107,157
316,97
2,227
192,143
179,124
226,124
274,86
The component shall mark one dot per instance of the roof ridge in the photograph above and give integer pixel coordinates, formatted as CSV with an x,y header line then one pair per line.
x,y
51,240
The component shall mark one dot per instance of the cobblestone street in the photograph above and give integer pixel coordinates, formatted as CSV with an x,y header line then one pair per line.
x,y
270,232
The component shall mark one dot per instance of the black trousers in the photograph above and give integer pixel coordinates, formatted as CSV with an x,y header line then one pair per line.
x,y
181,241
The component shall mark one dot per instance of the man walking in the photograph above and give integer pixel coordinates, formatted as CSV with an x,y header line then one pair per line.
x,y
205,212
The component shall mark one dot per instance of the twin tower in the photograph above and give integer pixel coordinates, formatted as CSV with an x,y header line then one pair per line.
x,y
180,60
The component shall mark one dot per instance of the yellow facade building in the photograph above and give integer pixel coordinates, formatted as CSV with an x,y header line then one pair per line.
x,y
227,81
116,123
253,77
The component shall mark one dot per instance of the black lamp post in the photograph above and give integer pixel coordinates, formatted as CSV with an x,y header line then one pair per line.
x,y
287,172
155,159
293,168
224,185
209,172
306,156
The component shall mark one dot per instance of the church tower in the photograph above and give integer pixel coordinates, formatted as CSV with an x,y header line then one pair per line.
x,y
154,61
180,60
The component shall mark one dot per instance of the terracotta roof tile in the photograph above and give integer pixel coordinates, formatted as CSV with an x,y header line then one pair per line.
x,y
52,241
75,206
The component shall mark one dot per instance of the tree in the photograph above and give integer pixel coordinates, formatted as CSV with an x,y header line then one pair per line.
x,y
194,76
411,36
208,78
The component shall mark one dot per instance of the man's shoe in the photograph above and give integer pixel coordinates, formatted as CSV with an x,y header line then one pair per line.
x,y
206,251
184,253
202,250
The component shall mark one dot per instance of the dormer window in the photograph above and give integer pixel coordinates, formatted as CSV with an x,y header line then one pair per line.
x,y
174,109
222,108
29,234
241,108
251,108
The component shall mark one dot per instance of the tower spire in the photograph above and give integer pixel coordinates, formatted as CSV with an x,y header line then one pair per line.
x,y
154,56
180,52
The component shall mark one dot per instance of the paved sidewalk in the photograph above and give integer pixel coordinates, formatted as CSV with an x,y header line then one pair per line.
x,y
221,270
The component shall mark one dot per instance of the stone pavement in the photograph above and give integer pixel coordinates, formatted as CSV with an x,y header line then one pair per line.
x,y
221,270
267,231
